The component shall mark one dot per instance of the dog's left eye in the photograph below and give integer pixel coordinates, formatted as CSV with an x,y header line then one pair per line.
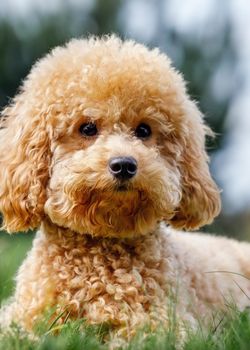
x,y
88,129
143,131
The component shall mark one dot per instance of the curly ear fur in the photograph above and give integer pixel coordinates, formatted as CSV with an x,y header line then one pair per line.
x,y
200,196
24,155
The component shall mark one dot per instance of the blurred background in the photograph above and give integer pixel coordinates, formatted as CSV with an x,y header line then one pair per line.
x,y
208,41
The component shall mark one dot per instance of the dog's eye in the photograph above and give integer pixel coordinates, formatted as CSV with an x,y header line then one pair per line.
x,y
88,129
143,131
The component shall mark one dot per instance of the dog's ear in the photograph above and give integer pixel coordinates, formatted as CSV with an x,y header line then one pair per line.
x,y
24,161
200,201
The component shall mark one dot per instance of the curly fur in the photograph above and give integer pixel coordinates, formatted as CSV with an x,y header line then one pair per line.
x,y
103,254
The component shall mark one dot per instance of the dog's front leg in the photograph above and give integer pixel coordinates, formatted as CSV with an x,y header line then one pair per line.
x,y
35,288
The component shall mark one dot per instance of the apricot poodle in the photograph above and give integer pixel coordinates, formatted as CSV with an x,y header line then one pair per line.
x,y
103,149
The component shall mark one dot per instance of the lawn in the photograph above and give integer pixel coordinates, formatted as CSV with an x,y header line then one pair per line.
x,y
13,249
233,333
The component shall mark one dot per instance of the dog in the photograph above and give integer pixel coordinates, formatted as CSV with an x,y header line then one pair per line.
x,y
104,151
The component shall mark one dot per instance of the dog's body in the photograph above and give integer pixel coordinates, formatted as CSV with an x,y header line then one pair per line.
x,y
130,283
107,147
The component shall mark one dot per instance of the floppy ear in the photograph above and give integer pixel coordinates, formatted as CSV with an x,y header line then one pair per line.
x,y
24,161
200,201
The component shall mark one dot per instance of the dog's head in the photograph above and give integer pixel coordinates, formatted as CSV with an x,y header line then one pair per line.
x,y
103,139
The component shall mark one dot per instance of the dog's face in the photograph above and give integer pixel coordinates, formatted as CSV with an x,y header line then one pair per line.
x,y
103,139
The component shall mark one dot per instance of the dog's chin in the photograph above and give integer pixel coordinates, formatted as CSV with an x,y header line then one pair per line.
x,y
122,212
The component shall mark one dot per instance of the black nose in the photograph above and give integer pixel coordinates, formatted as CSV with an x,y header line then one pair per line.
x,y
123,168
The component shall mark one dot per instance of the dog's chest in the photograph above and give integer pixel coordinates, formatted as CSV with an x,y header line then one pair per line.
x,y
111,280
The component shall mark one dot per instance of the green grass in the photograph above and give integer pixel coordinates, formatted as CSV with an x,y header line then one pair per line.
x,y
232,333
13,249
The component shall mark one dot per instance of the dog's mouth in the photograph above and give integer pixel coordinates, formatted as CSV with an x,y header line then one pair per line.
x,y
123,187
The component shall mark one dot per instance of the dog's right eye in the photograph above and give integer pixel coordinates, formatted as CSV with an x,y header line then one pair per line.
x,y
143,131
88,129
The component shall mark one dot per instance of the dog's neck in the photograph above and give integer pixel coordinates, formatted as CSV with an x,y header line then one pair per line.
x,y
58,232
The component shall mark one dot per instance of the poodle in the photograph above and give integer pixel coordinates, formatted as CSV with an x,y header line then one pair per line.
x,y
103,150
